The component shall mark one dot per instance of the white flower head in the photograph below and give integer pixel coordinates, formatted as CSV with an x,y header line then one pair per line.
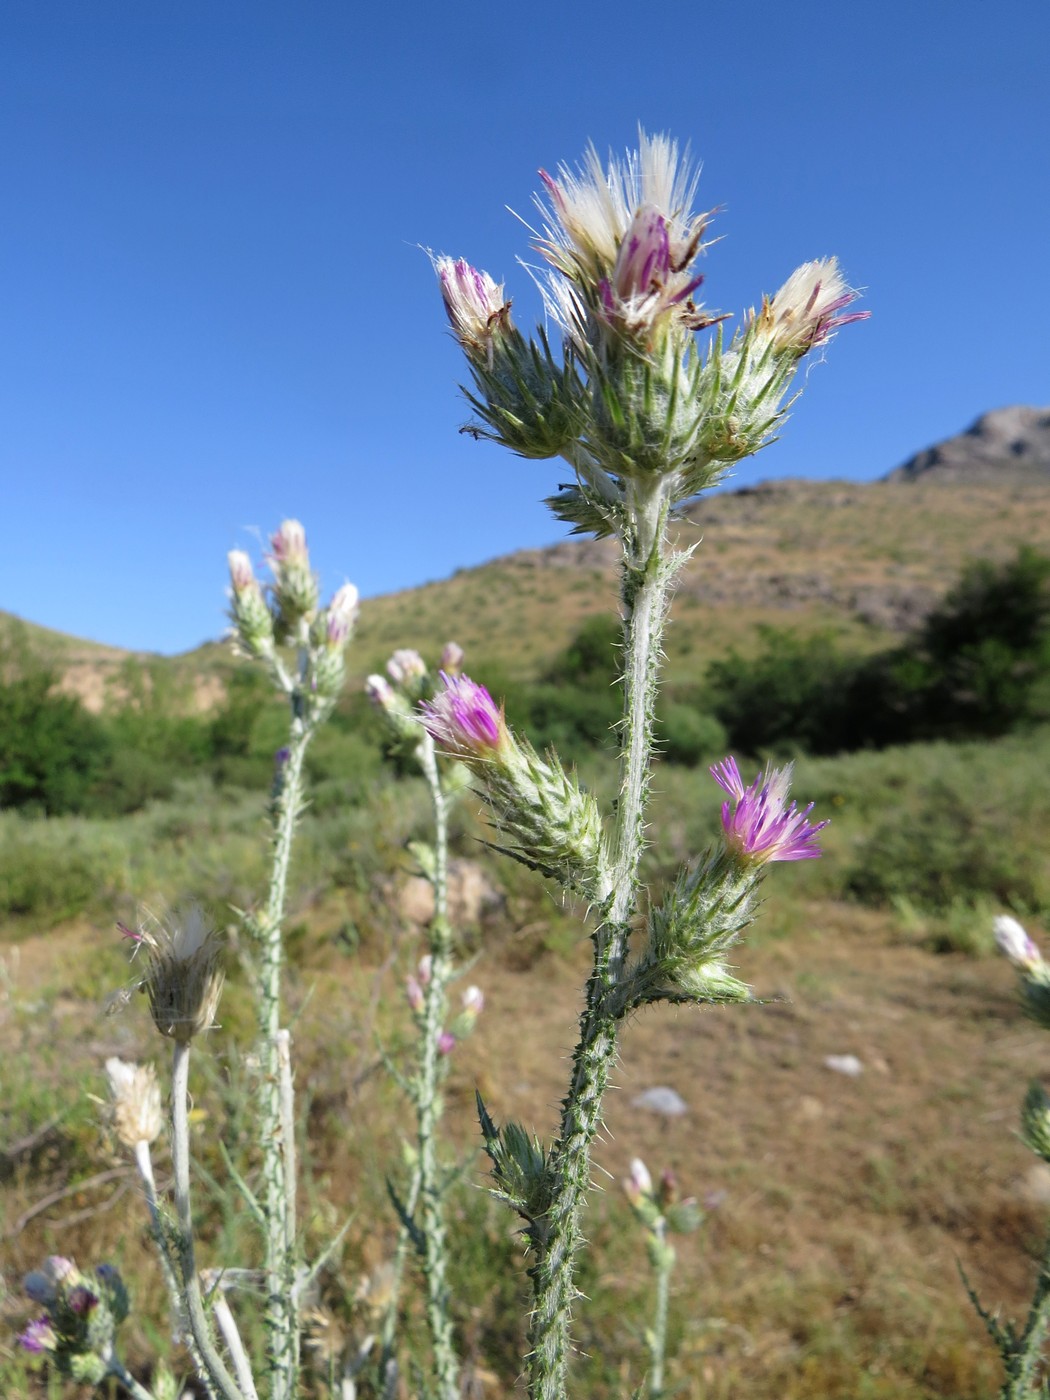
x,y
803,314
135,1096
477,309
1015,943
627,238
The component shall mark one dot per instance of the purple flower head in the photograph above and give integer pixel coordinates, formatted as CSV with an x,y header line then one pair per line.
x,y
464,719
759,824
39,1336
446,1043
81,1300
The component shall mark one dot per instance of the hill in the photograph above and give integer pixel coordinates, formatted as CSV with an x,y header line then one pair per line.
x,y
865,560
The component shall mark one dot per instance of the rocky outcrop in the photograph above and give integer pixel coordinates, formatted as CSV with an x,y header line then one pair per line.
x,y
1007,440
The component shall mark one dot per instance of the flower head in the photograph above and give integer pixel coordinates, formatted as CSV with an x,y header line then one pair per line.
x,y
626,238
242,575
465,720
758,823
184,978
341,616
1015,943
476,306
38,1336
452,658
288,543
639,1183
406,667
804,313
135,1096
446,1043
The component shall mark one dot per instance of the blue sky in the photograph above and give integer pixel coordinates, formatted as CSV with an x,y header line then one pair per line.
x,y
216,312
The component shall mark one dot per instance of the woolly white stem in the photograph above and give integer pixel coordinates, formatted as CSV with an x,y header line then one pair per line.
x,y
231,1336
435,1264
144,1162
214,1366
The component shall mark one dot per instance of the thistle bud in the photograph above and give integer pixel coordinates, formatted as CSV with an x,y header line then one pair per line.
x,y
135,1096
1035,1121
414,995
295,585
251,618
183,979
1015,943
452,659
406,668
639,1183
446,1043
341,616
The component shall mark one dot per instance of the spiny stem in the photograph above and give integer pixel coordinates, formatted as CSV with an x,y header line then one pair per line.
x,y
276,1107
646,581
658,1339
144,1162
214,1366
435,1264
1024,1362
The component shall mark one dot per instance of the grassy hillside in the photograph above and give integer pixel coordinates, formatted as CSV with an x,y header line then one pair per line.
x,y
864,560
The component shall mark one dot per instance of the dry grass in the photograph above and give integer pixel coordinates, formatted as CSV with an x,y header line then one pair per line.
x,y
829,1268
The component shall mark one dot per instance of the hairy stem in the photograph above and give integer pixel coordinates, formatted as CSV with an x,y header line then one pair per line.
x,y
276,1105
658,1336
1024,1362
428,1102
646,581
214,1366
162,1240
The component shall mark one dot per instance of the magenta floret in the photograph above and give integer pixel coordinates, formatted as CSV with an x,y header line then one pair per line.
x,y
464,718
759,823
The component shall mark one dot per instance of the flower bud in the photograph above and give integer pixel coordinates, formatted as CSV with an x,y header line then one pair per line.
x,y
639,1183
341,616
406,668
135,1096
295,585
1035,1121
1015,943
473,1000
414,993
446,1043
452,658
251,618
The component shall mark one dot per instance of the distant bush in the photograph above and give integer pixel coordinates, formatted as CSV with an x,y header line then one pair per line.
x,y
51,750
979,666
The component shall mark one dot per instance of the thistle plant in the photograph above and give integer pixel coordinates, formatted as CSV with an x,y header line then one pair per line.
x,y
1022,1348
421,1209
661,1213
179,968
646,417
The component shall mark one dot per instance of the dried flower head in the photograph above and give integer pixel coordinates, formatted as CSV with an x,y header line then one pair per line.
x,y
804,313
183,978
758,823
135,1096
